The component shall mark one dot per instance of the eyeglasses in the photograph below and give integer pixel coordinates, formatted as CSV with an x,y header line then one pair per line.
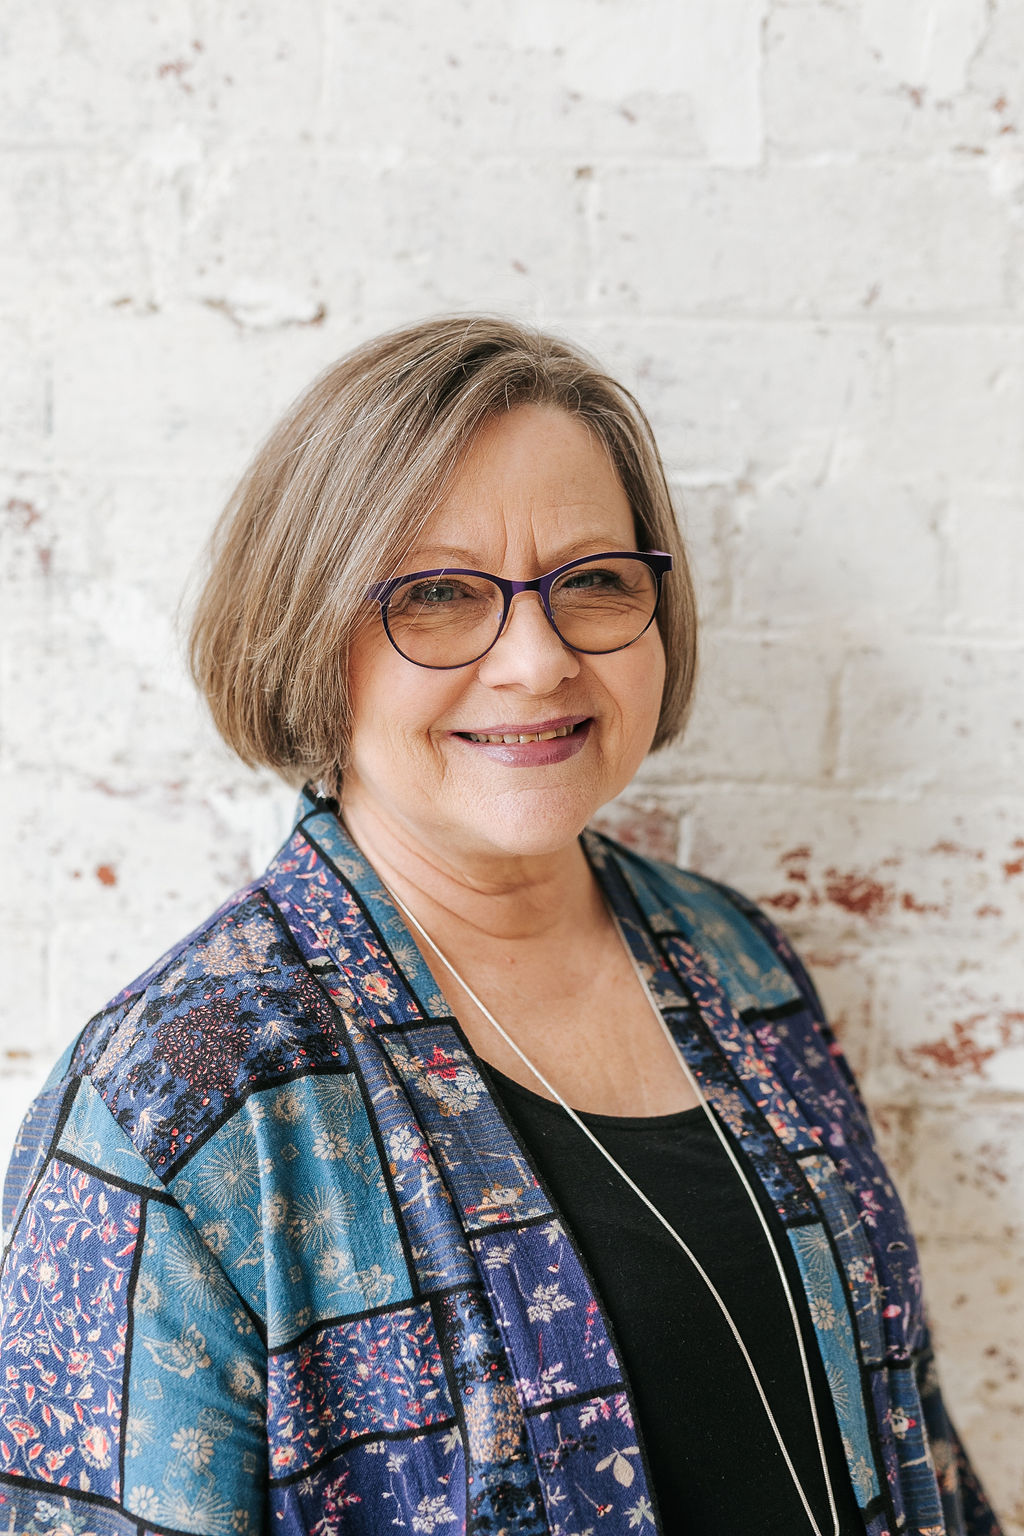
x,y
451,617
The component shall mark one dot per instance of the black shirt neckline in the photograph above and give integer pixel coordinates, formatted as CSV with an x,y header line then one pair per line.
x,y
693,1116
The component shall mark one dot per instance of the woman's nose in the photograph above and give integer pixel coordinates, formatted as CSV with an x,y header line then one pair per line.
x,y
528,652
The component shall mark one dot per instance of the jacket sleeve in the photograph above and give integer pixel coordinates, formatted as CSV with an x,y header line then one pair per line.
x,y
966,1508
132,1375
963,1499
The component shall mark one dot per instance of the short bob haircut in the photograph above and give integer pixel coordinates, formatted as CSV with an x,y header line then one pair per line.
x,y
340,491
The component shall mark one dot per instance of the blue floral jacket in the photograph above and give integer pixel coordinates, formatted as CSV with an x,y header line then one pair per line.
x,y
277,1261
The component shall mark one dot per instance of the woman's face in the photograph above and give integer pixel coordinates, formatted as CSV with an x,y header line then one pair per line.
x,y
534,490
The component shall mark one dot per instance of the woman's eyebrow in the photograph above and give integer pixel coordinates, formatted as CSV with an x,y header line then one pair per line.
x,y
447,555
441,554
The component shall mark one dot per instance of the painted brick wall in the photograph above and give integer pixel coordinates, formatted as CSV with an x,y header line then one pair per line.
x,y
797,230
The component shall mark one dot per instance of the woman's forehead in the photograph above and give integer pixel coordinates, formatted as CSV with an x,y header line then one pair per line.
x,y
535,480
534,449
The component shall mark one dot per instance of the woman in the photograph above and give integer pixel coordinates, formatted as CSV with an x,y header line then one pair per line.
x,y
462,1173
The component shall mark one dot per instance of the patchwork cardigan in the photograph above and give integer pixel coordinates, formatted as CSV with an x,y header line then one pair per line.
x,y
276,1260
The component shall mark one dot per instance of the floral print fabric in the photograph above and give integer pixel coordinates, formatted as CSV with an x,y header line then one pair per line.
x,y
276,1261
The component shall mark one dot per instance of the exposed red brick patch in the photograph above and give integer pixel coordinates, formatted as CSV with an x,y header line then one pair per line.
x,y
858,894
105,874
910,903
961,1052
1014,867
793,865
946,845
988,910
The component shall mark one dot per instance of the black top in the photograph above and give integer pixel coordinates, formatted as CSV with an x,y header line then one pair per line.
x,y
715,1465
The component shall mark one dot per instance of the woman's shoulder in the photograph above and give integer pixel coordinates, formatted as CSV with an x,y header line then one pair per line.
x,y
729,930
689,887
230,1009
731,937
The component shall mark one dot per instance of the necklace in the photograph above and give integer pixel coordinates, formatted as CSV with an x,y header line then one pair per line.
x,y
669,1228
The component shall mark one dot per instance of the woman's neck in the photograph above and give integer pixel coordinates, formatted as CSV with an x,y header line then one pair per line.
x,y
467,896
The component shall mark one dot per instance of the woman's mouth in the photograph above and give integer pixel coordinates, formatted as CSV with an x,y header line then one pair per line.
x,y
533,746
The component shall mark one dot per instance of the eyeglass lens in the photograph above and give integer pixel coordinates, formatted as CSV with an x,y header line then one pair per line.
x,y
450,620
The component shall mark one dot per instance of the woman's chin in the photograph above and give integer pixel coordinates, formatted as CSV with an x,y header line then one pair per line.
x,y
526,827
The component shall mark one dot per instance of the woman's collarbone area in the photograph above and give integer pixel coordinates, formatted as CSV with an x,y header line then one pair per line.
x,y
602,1048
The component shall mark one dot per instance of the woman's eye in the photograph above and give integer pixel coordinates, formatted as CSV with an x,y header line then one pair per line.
x,y
590,580
433,592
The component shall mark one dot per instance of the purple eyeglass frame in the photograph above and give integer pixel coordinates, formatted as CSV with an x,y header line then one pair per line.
x,y
658,562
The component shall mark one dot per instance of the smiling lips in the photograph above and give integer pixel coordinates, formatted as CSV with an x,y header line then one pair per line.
x,y
550,741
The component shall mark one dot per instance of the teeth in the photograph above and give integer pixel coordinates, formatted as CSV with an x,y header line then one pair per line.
x,y
515,739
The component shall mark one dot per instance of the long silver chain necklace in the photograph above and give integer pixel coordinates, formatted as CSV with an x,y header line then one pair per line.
x,y
669,1228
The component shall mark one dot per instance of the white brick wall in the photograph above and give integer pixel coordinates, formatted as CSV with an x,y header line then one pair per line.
x,y
797,229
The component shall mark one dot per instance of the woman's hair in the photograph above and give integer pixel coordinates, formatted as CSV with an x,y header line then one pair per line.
x,y
338,494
